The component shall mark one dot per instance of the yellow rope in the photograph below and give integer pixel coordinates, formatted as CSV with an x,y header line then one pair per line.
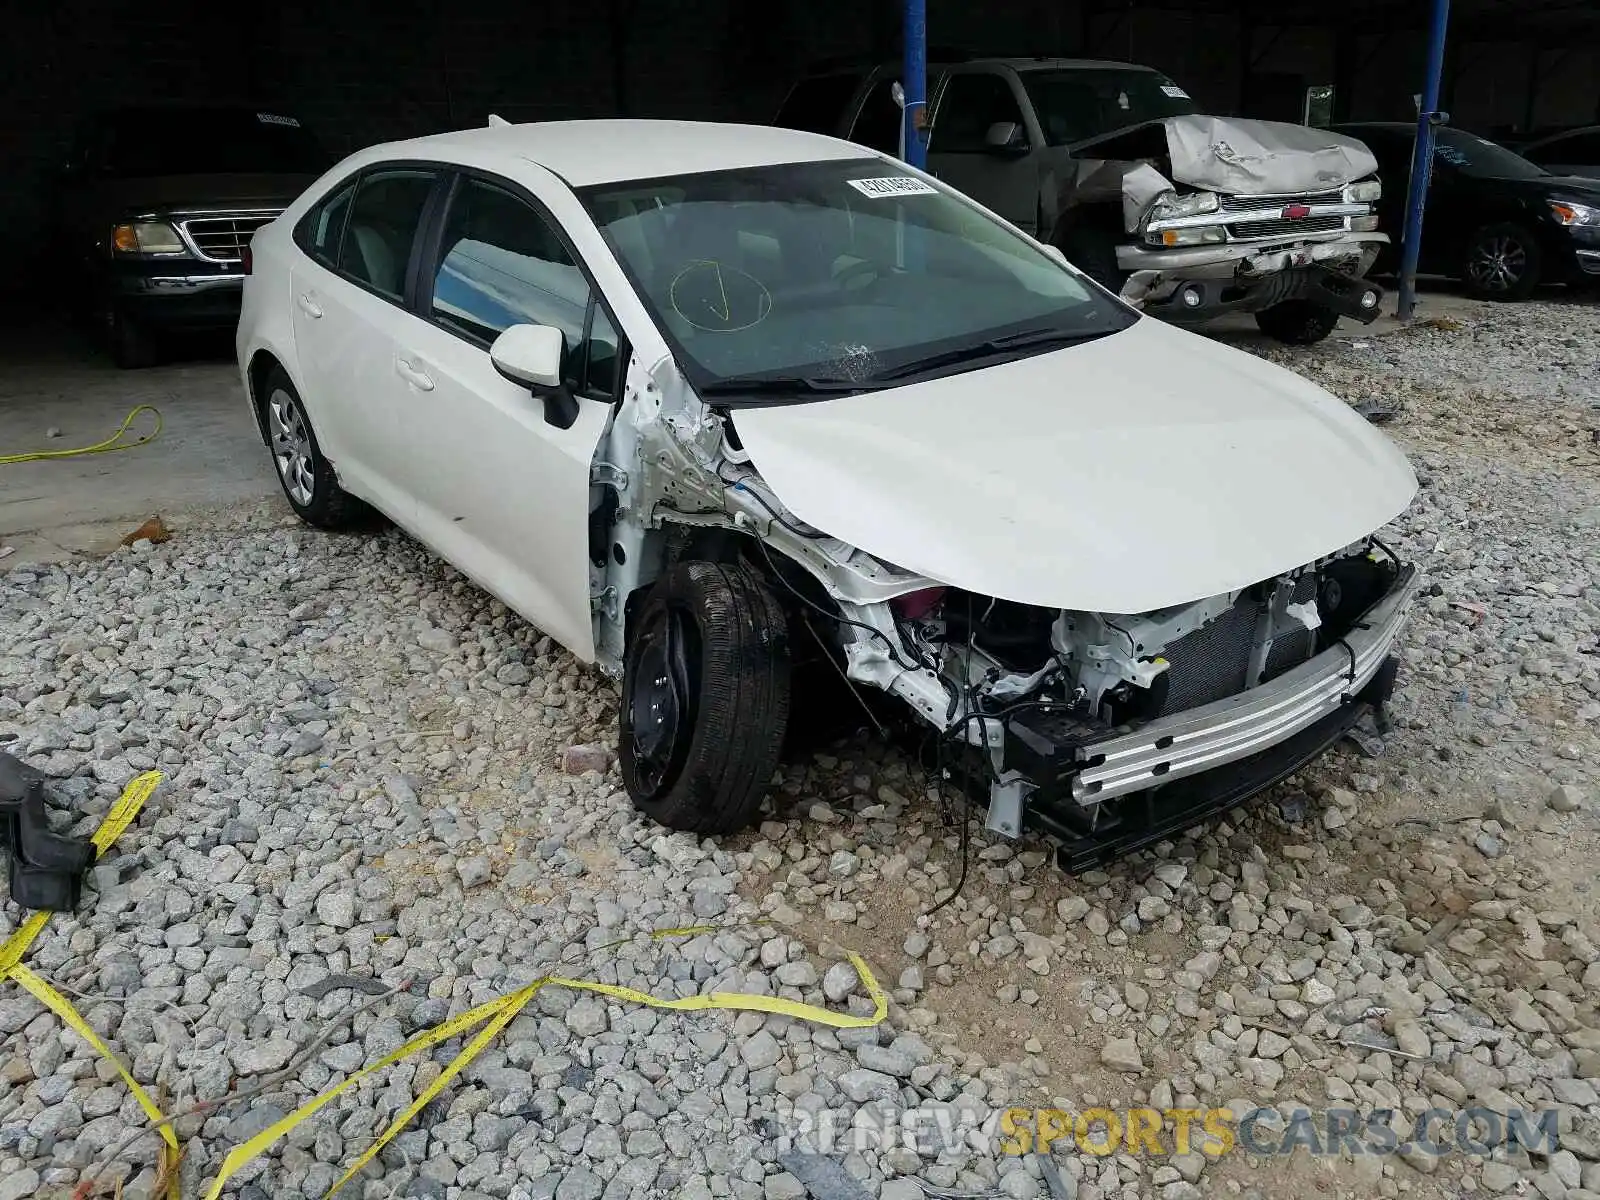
x,y
114,442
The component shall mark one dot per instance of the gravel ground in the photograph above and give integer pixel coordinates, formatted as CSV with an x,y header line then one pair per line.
x,y
375,773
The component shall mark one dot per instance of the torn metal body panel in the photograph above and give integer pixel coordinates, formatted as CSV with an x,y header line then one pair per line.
x,y
1241,157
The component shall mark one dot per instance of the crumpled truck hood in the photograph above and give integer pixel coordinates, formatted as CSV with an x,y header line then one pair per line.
x,y
1148,468
1241,157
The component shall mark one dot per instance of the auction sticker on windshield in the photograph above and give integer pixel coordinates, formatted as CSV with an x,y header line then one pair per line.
x,y
893,185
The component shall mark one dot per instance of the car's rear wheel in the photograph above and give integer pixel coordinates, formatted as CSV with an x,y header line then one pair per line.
x,y
1503,262
1297,322
307,478
705,697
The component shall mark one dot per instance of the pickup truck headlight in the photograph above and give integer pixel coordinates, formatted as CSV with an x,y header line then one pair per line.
x,y
1568,213
147,237
1367,191
1169,205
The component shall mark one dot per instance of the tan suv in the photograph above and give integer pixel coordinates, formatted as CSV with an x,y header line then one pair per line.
x,y
1186,214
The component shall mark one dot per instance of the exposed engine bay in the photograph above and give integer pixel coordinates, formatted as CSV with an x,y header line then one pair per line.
x,y
1040,692
1027,696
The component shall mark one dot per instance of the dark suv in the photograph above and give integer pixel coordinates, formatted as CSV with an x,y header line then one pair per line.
x,y
157,209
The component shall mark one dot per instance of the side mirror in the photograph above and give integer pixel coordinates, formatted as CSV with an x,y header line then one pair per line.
x,y
1005,137
532,356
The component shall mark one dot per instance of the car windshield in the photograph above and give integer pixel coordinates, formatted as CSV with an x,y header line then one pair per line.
x,y
840,275
144,143
1076,105
1482,159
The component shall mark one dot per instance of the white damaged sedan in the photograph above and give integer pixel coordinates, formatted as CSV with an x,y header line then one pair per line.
x,y
743,414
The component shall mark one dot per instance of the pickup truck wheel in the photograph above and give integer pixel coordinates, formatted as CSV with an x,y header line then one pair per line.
x,y
705,698
132,346
308,480
1503,262
1297,322
1094,252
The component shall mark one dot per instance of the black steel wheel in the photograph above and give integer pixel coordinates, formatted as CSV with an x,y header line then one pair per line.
x,y
1503,262
705,697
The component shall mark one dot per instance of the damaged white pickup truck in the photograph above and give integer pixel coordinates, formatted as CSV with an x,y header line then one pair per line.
x,y
728,411
1188,215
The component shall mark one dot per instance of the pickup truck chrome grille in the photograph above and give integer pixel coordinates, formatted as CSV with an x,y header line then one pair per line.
x,y
1258,218
222,236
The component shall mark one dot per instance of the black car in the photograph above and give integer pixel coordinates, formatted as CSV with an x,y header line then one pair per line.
x,y
1494,220
156,209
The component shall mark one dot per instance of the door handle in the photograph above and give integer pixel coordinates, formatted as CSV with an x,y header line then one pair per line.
x,y
413,375
308,306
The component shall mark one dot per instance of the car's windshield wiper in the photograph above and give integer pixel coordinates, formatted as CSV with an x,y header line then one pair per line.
x,y
781,385
990,347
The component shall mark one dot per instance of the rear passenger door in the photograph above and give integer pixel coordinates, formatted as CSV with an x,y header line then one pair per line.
x,y
349,296
501,492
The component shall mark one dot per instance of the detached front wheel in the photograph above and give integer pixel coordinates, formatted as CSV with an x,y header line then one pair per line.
x,y
1297,322
705,698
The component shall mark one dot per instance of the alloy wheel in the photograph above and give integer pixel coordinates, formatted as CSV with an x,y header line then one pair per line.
x,y
291,447
1498,262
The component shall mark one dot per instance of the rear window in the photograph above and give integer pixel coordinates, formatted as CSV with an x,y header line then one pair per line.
x,y
817,105
140,143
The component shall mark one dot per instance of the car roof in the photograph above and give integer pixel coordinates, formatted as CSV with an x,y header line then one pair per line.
x,y
584,153
1565,133
943,62
1068,64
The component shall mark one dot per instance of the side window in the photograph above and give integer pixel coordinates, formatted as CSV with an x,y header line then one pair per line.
x,y
382,226
818,104
1581,149
501,264
602,374
320,229
878,123
969,106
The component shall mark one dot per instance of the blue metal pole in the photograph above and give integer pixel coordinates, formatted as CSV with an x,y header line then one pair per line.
x,y
1428,120
915,82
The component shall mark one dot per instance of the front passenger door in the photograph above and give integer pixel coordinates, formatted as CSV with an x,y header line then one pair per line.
x,y
1005,179
502,493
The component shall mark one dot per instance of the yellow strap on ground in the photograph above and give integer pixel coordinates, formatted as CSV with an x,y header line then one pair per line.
x,y
493,1016
500,1012
114,442
116,821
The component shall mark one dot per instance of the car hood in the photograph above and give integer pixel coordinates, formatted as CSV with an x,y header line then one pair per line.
x,y
174,193
1148,468
1577,187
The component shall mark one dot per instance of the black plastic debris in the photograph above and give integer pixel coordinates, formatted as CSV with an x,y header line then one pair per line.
x,y
1377,411
47,868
